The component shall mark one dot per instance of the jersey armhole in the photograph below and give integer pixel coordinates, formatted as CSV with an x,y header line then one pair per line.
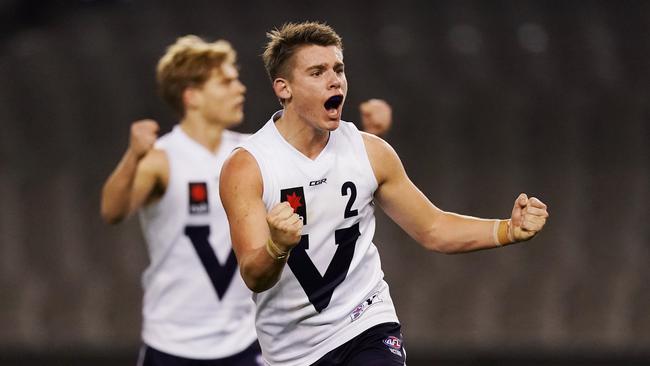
x,y
266,192
162,195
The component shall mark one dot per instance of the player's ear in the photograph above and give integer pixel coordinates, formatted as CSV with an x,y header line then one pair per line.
x,y
282,89
191,97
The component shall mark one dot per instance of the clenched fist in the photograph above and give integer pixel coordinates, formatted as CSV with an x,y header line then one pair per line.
x,y
528,217
285,226
143,136
376,116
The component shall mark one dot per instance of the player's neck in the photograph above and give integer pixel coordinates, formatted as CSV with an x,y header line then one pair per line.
x,y
307,139
205,133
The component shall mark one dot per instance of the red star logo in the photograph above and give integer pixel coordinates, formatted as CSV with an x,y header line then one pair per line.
x,y
294,201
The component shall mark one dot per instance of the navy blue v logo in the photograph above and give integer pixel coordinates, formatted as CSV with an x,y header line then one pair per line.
x,y
220,275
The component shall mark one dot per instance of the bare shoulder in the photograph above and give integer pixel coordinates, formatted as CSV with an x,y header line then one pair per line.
x,y
240,160
375,145
155,159
155,163
239,170
383,158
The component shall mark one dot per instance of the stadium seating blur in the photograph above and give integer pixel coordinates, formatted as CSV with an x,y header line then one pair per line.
x,y
490,99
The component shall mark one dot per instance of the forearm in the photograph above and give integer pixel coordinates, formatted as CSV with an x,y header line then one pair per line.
x,y
116,193
260,270
254,231
453,233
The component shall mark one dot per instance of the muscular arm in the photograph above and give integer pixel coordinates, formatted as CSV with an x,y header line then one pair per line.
x,y
430,226
241,189
140,176
132,184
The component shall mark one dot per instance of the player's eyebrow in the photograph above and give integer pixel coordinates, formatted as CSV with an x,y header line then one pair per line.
x,y
323,66
319,67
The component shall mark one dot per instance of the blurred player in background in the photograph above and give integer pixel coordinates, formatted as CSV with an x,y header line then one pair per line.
x,y
196,308
300,197
376,116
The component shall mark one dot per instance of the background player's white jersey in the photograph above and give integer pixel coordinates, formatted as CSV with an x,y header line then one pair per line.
x,y
332,288
196,304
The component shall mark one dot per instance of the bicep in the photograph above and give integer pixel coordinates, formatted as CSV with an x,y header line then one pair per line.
x,y
400,199
241,191
405,204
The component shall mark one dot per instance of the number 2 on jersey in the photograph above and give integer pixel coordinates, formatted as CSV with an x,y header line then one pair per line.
x,y
319,289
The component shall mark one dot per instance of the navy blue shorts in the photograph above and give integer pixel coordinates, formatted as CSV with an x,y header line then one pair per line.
x,y
251,356
380,345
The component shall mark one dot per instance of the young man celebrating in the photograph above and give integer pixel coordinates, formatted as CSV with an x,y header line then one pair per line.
x,y
300,193
196,307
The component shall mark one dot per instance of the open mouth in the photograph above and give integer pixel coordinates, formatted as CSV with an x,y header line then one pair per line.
x,y
333,102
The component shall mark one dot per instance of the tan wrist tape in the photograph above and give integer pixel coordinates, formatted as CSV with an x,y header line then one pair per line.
x,y
274,251
502,232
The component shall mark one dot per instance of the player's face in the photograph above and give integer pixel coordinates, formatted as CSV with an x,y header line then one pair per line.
x,y
318,86
222,96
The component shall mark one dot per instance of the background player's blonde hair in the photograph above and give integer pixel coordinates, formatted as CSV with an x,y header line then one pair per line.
x,y
189,62
284,42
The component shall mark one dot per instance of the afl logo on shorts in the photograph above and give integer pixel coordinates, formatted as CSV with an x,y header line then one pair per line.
x,y
393,342
198,198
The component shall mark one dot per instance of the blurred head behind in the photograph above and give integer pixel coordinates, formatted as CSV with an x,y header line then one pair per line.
x,y
199,79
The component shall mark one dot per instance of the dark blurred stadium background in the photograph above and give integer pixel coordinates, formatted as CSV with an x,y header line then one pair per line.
x,y
491,98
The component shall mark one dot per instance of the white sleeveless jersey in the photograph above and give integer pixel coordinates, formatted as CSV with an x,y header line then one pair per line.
x,y
332,288
196,304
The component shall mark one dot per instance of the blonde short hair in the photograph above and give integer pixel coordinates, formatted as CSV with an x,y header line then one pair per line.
x,y
189,62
